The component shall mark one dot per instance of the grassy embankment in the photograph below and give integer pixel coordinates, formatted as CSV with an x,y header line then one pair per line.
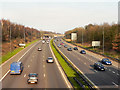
x,y
10,54
68,70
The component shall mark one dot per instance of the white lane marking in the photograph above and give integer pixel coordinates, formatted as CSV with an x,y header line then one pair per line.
x,y
4,75
17,61
94,55
25,75
80,71
113,71
28,65
115,84
43,65
117,74
44,75
60,69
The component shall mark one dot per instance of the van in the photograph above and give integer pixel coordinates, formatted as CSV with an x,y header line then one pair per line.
x,y
16,68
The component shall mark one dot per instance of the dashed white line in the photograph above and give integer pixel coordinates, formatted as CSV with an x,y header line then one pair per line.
x,y
117,74
18,61
44,75
25,75
113,71
43,65
28,65
115,84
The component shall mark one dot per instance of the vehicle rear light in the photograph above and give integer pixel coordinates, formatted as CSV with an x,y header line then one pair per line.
x,y
19,70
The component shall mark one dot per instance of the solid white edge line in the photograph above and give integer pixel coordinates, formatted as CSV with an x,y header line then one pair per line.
x,y
115,84
60,69
116,66
18,60
79,70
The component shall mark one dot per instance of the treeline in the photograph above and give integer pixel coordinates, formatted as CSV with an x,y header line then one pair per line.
x,y
12,31
95,33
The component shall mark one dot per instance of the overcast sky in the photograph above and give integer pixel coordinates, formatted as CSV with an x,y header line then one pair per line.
x,y
59,15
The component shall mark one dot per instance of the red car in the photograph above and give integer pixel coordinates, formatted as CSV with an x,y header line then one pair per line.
x,y
61,43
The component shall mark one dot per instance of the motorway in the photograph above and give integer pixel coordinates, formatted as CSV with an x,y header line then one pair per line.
x,y
34,61
102,79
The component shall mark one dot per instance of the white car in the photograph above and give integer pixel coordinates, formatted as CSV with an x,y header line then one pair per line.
x,y
47,42
50,60
43,41
39,49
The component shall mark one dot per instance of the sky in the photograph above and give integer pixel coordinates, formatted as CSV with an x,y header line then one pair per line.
x,y
59,15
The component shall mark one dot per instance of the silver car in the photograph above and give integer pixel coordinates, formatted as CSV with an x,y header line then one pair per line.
x,y
32,78
50,60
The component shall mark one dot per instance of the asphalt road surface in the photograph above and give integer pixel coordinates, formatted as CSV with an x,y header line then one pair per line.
x,y
34,61
102,79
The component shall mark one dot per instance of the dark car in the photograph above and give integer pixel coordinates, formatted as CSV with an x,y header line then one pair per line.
x,y
75,48
32,78
99,66
106,61
69,49
65,46
83,52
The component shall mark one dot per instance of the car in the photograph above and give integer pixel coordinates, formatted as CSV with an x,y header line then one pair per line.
x,y
50,60
83,52
61,43
16,68
43,41
69,49
33,78
106,61
59,46
47,42
75,48
39,49
99,66
65,46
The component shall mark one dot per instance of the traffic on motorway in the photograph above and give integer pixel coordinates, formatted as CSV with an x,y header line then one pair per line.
x,y
88,63
36,68
43,57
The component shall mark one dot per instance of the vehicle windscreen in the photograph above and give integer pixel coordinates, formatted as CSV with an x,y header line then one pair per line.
x,y
50,58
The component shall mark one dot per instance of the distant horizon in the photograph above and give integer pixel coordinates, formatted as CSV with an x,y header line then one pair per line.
x,y
59,17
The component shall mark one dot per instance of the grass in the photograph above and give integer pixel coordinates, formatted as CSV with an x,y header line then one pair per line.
x,y
97,49
10,54
68,70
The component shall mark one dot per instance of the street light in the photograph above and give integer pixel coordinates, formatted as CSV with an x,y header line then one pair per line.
x,y
82,36
103,40
10,37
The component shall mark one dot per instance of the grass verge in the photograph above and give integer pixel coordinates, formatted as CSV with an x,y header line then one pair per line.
x,y
10,54
67,69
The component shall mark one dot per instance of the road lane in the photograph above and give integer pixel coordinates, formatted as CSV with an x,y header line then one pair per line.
x,y
85,64
35,62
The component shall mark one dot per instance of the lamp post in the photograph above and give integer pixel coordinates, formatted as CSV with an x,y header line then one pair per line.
x,y
103,40
10,38
82,37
